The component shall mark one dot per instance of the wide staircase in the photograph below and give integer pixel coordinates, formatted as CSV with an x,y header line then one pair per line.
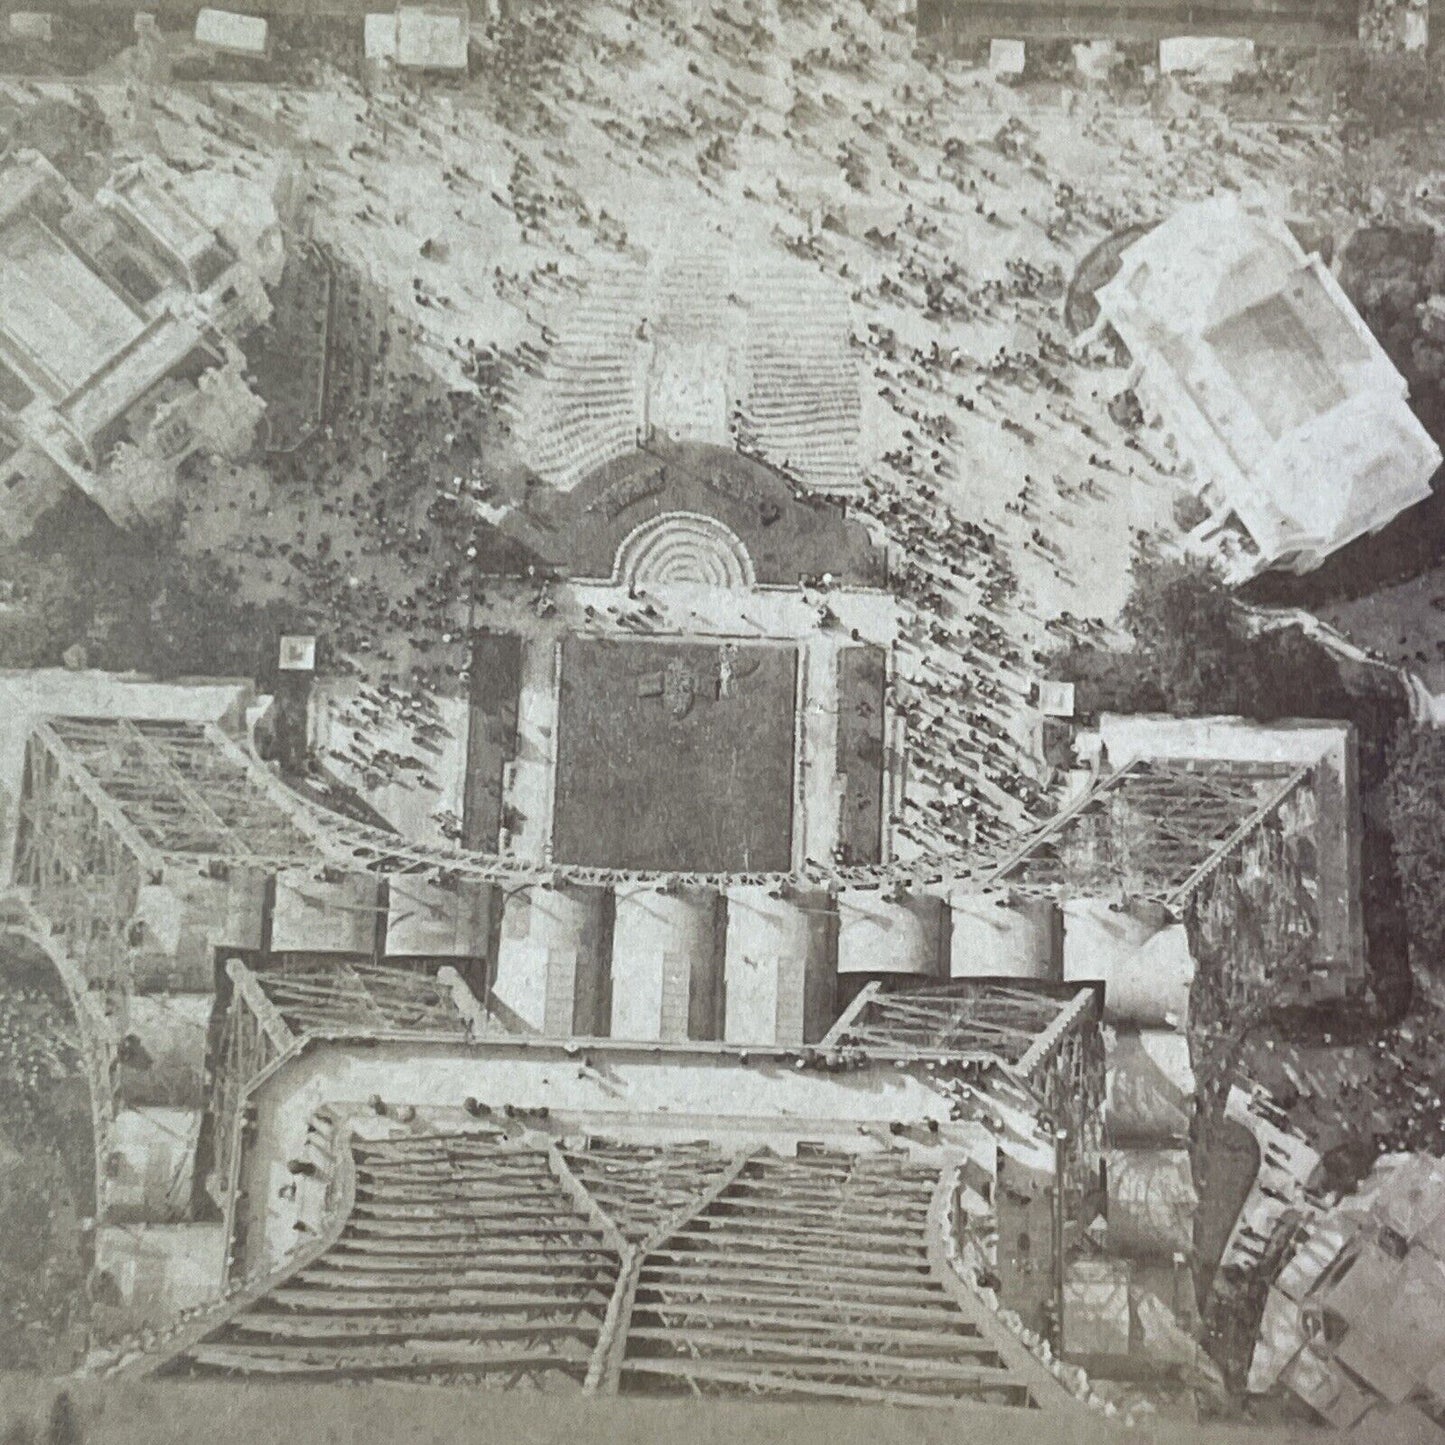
x,y
813,1276
684,548
584,409
802,404
463,1257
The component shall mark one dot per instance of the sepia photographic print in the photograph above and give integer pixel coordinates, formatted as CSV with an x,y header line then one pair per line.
x,y
722,720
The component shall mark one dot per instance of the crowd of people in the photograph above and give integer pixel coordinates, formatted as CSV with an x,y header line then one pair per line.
x,y
963,230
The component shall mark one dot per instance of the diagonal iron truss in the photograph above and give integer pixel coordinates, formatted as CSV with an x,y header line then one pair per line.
x,y
181,792
1046,1036
962,1018
1027,1028
502,1260
183,788
355,997
81,864
1152,830
271,1014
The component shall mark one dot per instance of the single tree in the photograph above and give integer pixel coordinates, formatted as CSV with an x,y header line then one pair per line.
x,y
63,1427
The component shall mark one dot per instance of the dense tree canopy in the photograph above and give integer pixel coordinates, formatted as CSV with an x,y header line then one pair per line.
x,y
1387,94
130,599
1193,651
1391,273
1415,803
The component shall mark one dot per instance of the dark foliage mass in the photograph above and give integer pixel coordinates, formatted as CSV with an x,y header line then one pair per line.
x,y
1387,93
1194,652
46,1175
1415,810
128,600
1391,273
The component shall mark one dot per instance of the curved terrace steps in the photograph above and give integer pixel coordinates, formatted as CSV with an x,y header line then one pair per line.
x,y
683,548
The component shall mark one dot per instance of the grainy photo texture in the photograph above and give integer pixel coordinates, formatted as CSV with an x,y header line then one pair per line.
x,y
722,720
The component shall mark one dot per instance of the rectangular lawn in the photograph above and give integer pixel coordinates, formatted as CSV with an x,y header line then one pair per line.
x,y
862,676
675,755
496,687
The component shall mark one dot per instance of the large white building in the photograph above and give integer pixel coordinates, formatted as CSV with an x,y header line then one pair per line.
x,y
119,314
1296,424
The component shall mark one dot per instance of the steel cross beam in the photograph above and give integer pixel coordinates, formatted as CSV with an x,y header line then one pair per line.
x,y
320,834
604,1372
585,1205
776,1382
78,871
173,776
1046,1042
850,1015
248,988
1271,803
138,782
109,814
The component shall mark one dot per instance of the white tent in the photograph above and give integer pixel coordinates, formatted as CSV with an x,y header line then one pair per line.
x,y
432,37
37,25
1096,1307
150,1166
425,920
419,37
379,37
316,915
238,34
159,1270
1214,58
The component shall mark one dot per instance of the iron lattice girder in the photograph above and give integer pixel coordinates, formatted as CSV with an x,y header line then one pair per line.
x,y
1069,1018
964,1017
1151,828
53,773
362,996
410,1357
183,791
186,789
81,865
